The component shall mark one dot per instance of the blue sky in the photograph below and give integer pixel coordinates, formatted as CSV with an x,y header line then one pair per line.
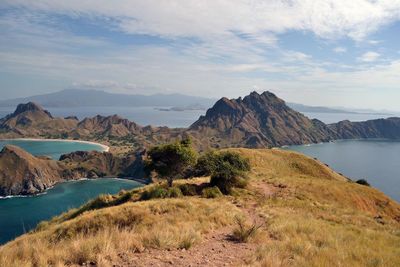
x,y
327,52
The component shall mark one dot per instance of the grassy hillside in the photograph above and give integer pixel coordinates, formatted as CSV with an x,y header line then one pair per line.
x,y
304,214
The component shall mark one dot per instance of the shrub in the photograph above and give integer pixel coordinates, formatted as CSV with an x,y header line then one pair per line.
x,y
363,182
155,192
208,163
211,192
226,169
243,231
188,189
160,192
174,192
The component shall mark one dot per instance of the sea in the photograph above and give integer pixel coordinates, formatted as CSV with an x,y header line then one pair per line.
x,y
19,214
377,161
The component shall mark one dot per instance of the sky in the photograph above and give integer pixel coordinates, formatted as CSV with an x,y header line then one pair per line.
x,y
322,52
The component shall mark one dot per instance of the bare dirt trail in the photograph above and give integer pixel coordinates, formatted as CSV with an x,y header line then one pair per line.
x,y
216,249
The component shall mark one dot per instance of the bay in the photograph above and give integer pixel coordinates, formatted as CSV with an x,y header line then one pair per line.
x,y
377,161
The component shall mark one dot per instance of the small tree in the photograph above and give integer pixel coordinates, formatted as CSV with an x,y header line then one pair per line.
x,y
226,169
171,160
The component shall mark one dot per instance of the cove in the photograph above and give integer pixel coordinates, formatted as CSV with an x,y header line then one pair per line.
x,y
52,148
377,161
21,214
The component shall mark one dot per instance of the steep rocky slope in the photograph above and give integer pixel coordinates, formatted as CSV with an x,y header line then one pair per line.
x,y
22,174
31,120
380,128
258,120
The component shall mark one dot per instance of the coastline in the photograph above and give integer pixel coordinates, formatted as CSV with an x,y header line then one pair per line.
x,y
104,148
137,180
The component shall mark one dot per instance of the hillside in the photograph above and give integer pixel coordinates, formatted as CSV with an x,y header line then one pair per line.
x,y
257,120
24,174
308,216
381,128
31,120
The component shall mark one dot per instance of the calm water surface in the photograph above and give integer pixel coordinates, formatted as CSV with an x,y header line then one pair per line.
x,y
20,214
377,161
53,149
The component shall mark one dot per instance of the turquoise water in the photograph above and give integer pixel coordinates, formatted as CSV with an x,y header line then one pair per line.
x,y
377,161
20,214
53,149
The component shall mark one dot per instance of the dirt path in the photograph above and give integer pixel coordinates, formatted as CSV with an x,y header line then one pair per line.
x,y
216,249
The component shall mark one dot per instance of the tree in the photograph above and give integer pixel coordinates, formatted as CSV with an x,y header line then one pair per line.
x,y
226,168
171,160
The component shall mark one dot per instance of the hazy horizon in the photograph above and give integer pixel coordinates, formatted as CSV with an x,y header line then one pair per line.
x,y
319,53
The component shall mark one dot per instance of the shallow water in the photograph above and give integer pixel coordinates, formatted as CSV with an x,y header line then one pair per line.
x,y
377,161
53,149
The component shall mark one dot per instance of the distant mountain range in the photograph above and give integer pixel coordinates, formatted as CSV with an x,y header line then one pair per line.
x,y
178,102
257,120
96,98
319,109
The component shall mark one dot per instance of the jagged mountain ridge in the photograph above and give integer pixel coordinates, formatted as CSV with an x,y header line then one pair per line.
x,y
257,120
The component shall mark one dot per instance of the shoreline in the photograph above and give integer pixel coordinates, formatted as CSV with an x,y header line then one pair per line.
x,y
104,148
137,180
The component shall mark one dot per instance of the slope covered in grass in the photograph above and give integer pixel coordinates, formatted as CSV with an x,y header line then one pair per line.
x,y
305,213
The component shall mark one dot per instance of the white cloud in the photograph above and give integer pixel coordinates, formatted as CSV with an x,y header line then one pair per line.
x,y
369,56
206,19
340,49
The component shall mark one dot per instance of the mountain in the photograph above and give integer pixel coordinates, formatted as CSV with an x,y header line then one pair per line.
x,y
381,128
31,120
257,120
23,174
320,109
97,98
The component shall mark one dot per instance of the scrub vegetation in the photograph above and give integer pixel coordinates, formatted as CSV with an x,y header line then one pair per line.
x,y
293,211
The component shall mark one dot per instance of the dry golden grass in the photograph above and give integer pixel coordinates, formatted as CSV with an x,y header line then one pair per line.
x,y
316,217
100,235
311,216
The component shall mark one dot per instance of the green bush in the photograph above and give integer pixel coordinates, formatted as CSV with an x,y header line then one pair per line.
x,y
174,192
211,192
161,192
363,182
209,163
155,192
188,189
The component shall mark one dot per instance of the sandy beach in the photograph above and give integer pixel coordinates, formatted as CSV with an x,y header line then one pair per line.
x,y
104,147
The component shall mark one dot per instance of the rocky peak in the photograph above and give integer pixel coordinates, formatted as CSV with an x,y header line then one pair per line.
x,y
30,107
15,152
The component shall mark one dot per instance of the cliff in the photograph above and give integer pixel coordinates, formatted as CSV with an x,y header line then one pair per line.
x,y
24,174
380,128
